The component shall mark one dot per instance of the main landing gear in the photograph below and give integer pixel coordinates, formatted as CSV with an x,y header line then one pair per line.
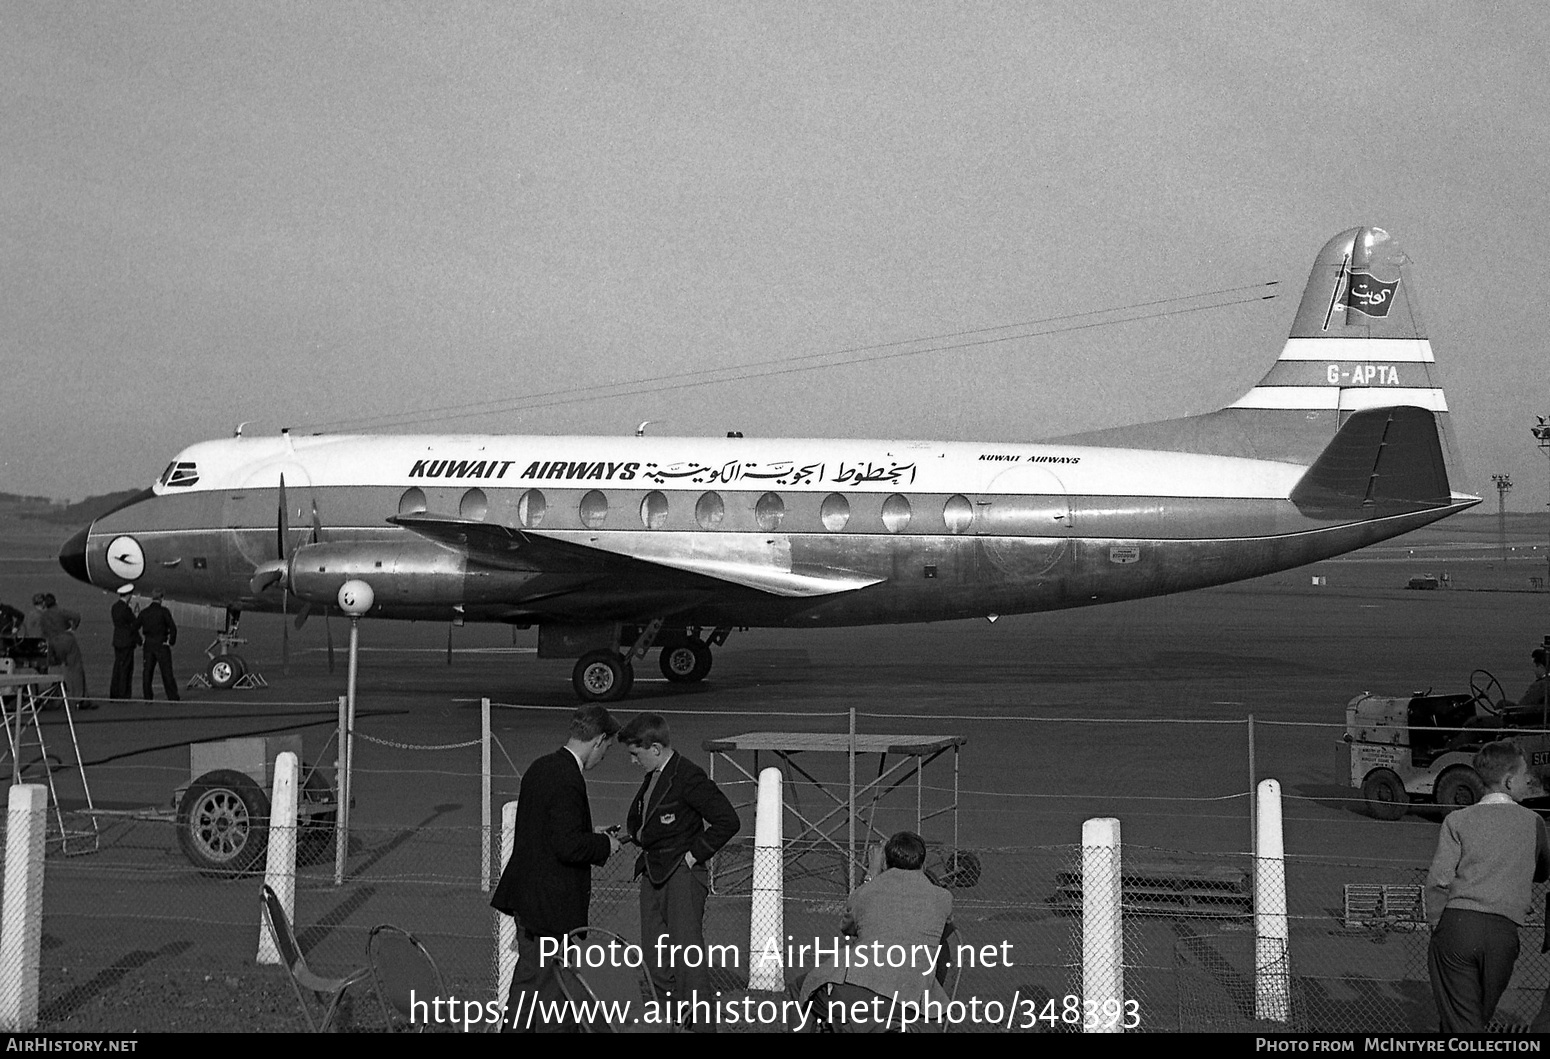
x,y
607,674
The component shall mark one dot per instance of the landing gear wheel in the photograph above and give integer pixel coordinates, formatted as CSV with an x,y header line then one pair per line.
x,y
1481,684
685,663
223,824
1458,787
224,671
315,837
1385,793
602,676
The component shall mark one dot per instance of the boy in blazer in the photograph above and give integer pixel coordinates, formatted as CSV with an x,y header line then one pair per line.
x,y
679,818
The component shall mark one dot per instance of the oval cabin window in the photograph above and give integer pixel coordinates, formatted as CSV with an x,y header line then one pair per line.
x,y
594,509
475,505
530,509
835,512
769,512
957,514
896,513
412,502
709,511
653,511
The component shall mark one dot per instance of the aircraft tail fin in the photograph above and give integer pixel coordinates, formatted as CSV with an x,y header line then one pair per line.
x,y
1357,343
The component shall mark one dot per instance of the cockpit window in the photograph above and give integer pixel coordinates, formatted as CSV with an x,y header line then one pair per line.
x,y
178,474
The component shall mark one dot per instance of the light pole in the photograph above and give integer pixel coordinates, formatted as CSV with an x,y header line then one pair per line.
x,y
355,599
1541,431
1503,487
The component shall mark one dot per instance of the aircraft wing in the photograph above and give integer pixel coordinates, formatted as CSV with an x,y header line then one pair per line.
x,y
747,560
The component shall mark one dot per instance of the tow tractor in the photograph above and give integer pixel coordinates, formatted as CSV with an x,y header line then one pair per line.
x,y
1418,749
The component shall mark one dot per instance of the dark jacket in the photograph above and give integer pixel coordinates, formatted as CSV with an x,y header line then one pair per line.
x,y
157,625
547,883
688,813
126,625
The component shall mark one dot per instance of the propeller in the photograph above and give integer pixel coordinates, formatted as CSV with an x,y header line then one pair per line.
x,y
277,571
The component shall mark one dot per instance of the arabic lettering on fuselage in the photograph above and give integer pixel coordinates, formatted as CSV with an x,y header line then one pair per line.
x,y
780,472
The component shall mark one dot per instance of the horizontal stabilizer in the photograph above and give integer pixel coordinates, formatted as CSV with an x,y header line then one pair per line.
x,y
1383,461
745,560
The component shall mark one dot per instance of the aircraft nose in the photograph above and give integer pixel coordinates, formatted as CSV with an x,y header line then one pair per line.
x,y
72,556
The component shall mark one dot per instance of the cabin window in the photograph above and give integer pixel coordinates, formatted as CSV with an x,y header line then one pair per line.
x,y
412,502
769,512
896,513
957,513
835,512
594,509
653,511
709,511
474,505
530,509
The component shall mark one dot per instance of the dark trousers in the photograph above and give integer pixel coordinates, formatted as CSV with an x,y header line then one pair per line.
x,y
534,982
123,683
675,913
1470,961
159,654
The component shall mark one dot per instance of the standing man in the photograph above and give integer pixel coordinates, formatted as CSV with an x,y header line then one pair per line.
x,y
126,637
679,818
547,883
58,626
161,634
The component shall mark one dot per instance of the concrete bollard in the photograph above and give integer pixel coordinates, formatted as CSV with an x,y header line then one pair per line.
x,y
1103,933
1272,962
21,926
766,920
280,867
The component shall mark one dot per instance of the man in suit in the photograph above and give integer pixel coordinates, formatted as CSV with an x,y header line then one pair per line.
x,y
161,633
547,883
126,637
679,818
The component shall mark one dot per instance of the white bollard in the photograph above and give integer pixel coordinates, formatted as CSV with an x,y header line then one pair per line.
x,y
1272,959
1103,932
280,867
506,926
766,920
21,928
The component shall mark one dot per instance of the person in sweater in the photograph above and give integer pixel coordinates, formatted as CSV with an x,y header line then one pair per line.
x,y
1479,890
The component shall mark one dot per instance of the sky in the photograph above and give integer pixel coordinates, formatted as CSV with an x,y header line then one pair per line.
x,y
386,216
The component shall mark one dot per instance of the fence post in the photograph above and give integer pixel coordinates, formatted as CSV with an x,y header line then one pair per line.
x,y
1103,935
506,926
280,862
21,929
1272,959
484,794
342,814
766,919
1253,801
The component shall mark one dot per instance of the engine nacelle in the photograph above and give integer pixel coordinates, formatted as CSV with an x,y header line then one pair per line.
x,y
399,572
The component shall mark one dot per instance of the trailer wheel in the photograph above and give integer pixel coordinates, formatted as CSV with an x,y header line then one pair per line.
x,y
315,838
223,824
1385,793
1458,787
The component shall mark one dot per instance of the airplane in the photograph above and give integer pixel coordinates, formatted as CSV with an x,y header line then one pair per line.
x,y
614,546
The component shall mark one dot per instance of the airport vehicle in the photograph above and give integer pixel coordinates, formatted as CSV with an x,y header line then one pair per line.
x,y
613,547
1424,581
222,814
1418,748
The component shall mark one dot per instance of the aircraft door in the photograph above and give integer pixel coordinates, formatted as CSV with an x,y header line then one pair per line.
x,y
1025,521
250,516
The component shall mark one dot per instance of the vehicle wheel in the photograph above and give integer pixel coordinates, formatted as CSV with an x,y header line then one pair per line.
x,y
602,676
224,671
686,663
1459,787
315,837
1385,793
223,824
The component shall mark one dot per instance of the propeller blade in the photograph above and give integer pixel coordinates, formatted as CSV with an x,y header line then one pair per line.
x,y
285,631
328,630
303,615
265,575
282,524
449,643
317,523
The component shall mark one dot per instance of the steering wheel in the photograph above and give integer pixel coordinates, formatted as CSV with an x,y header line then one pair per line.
x,y
1481,684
